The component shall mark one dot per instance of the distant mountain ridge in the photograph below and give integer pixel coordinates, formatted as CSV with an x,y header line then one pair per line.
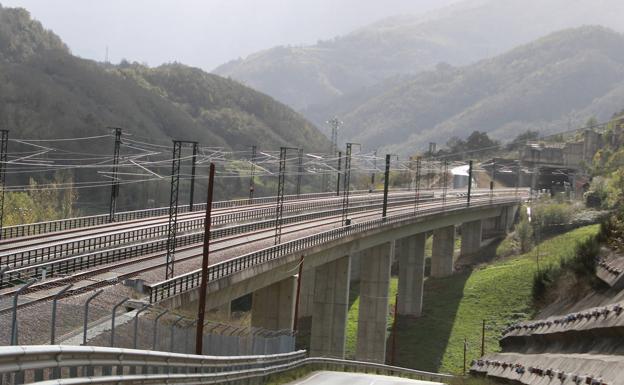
x,y
459,34
563,78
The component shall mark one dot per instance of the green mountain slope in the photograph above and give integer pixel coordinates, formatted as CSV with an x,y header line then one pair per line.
x,y
460,34
45,92
563,78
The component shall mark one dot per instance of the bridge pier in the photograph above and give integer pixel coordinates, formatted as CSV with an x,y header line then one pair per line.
x,y
373,311
471,233
273,306
411,255
442,251
330,307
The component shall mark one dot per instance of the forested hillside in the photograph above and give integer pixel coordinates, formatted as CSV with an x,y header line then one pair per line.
x,y
45,92
556,81
460,34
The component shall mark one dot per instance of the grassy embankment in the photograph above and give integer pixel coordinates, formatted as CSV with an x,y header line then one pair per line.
x,y
454,307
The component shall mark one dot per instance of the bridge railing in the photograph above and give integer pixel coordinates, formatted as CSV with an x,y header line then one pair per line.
x,y
40,253
34,266
30,229
27,364
191,280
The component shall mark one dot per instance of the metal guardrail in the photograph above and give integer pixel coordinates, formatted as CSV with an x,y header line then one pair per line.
x,y
27,364
62,266
102,219
188,281
58,249
97,365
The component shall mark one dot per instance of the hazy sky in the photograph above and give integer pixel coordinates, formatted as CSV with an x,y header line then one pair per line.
x,y
204,33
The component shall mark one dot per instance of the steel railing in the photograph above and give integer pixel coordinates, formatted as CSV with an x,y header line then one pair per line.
x,y
50,266
98,365
188,281
55,249
30,229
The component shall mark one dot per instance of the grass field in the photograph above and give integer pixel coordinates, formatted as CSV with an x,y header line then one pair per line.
x,y
455,307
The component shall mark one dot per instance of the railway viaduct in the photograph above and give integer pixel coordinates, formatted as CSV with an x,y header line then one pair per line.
x,y
327,261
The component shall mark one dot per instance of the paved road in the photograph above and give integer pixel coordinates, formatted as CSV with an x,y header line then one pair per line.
x,y
338,378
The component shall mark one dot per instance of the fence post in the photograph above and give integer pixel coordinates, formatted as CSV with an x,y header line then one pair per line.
x,y
14,321
112,343
86,315
53,324
156,328
136,323
173,331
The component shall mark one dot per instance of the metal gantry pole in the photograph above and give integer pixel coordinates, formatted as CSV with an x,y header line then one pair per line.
x,y
193,166
445,182
372,187
417,186
201,308
339,173
252,182
86,316
112,339
55,299
172,228
4,156
469,183
386,185
136,325
346,187
115,180
14,331
155,336
299,170
280,195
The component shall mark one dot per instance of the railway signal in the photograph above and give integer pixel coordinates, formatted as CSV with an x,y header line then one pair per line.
x,y
386,184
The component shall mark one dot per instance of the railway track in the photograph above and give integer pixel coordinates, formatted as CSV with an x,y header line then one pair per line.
x,y
186,253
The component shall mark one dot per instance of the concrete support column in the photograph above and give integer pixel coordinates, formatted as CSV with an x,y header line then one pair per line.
x,y
442,252
411,254
355,267
373,312
306,296
273,307
471,233
331,304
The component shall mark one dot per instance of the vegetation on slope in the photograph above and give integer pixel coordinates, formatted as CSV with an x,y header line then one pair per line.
x,y
454,307
461,34
45,92
544,86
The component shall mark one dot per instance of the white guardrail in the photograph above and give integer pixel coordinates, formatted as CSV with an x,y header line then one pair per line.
x,y
78,365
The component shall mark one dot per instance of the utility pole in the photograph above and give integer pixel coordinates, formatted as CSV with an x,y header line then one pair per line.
x,y
469,182
299,170
386,184
338,177
115,181
173,208
201,312
195,148
252,184
4,156
347,183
